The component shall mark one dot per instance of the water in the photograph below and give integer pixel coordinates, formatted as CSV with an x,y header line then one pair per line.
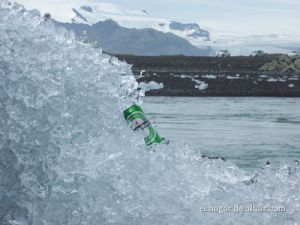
x,y
247,131
67,156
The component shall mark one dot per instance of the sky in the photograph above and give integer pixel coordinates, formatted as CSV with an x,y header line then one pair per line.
x,y
241,26
246,17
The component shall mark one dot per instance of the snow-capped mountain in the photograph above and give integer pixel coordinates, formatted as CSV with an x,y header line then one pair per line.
x,y
121,31
92,14
116,39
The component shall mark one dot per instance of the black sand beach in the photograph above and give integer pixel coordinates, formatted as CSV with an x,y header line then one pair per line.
x,y
212,76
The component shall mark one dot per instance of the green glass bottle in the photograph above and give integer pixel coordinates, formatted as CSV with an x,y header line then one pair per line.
x,y
137,120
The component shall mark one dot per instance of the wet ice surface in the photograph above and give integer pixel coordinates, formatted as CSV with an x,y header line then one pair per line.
x,y
247,131
67,156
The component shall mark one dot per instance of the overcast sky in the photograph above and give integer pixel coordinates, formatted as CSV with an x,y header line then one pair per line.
x,y
222,16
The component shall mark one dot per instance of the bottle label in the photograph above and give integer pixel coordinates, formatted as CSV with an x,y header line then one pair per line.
x,y
138,121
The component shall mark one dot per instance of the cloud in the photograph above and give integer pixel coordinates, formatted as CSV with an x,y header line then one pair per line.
x,y
60,10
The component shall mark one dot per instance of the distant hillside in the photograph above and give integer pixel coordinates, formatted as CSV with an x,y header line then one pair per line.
x,y
113,38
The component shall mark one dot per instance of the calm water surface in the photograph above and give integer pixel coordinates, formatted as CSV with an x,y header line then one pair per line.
x,y
247,131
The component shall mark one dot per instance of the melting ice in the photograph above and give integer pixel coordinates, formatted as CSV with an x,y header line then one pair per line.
x,y
67,156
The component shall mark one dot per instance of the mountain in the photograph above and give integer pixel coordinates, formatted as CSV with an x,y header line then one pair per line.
x,y
93,13
192,30
113,38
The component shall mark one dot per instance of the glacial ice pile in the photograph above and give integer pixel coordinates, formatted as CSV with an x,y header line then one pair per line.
x,y
67,156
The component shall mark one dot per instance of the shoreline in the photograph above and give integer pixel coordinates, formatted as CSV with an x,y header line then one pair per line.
x,y
238,76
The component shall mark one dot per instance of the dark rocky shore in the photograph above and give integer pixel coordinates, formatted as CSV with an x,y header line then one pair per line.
x,y
211,76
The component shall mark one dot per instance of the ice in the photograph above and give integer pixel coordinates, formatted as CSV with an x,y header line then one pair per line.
x,y
291,85
201,85
233,77
272,79
210,76
152,85
67,156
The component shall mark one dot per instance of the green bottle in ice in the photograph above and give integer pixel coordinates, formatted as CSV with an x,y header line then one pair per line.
x,y
137,120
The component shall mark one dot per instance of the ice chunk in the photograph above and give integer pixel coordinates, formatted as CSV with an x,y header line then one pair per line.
x,y
233,77
201,85
291,85
152,85
210,76
272,79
